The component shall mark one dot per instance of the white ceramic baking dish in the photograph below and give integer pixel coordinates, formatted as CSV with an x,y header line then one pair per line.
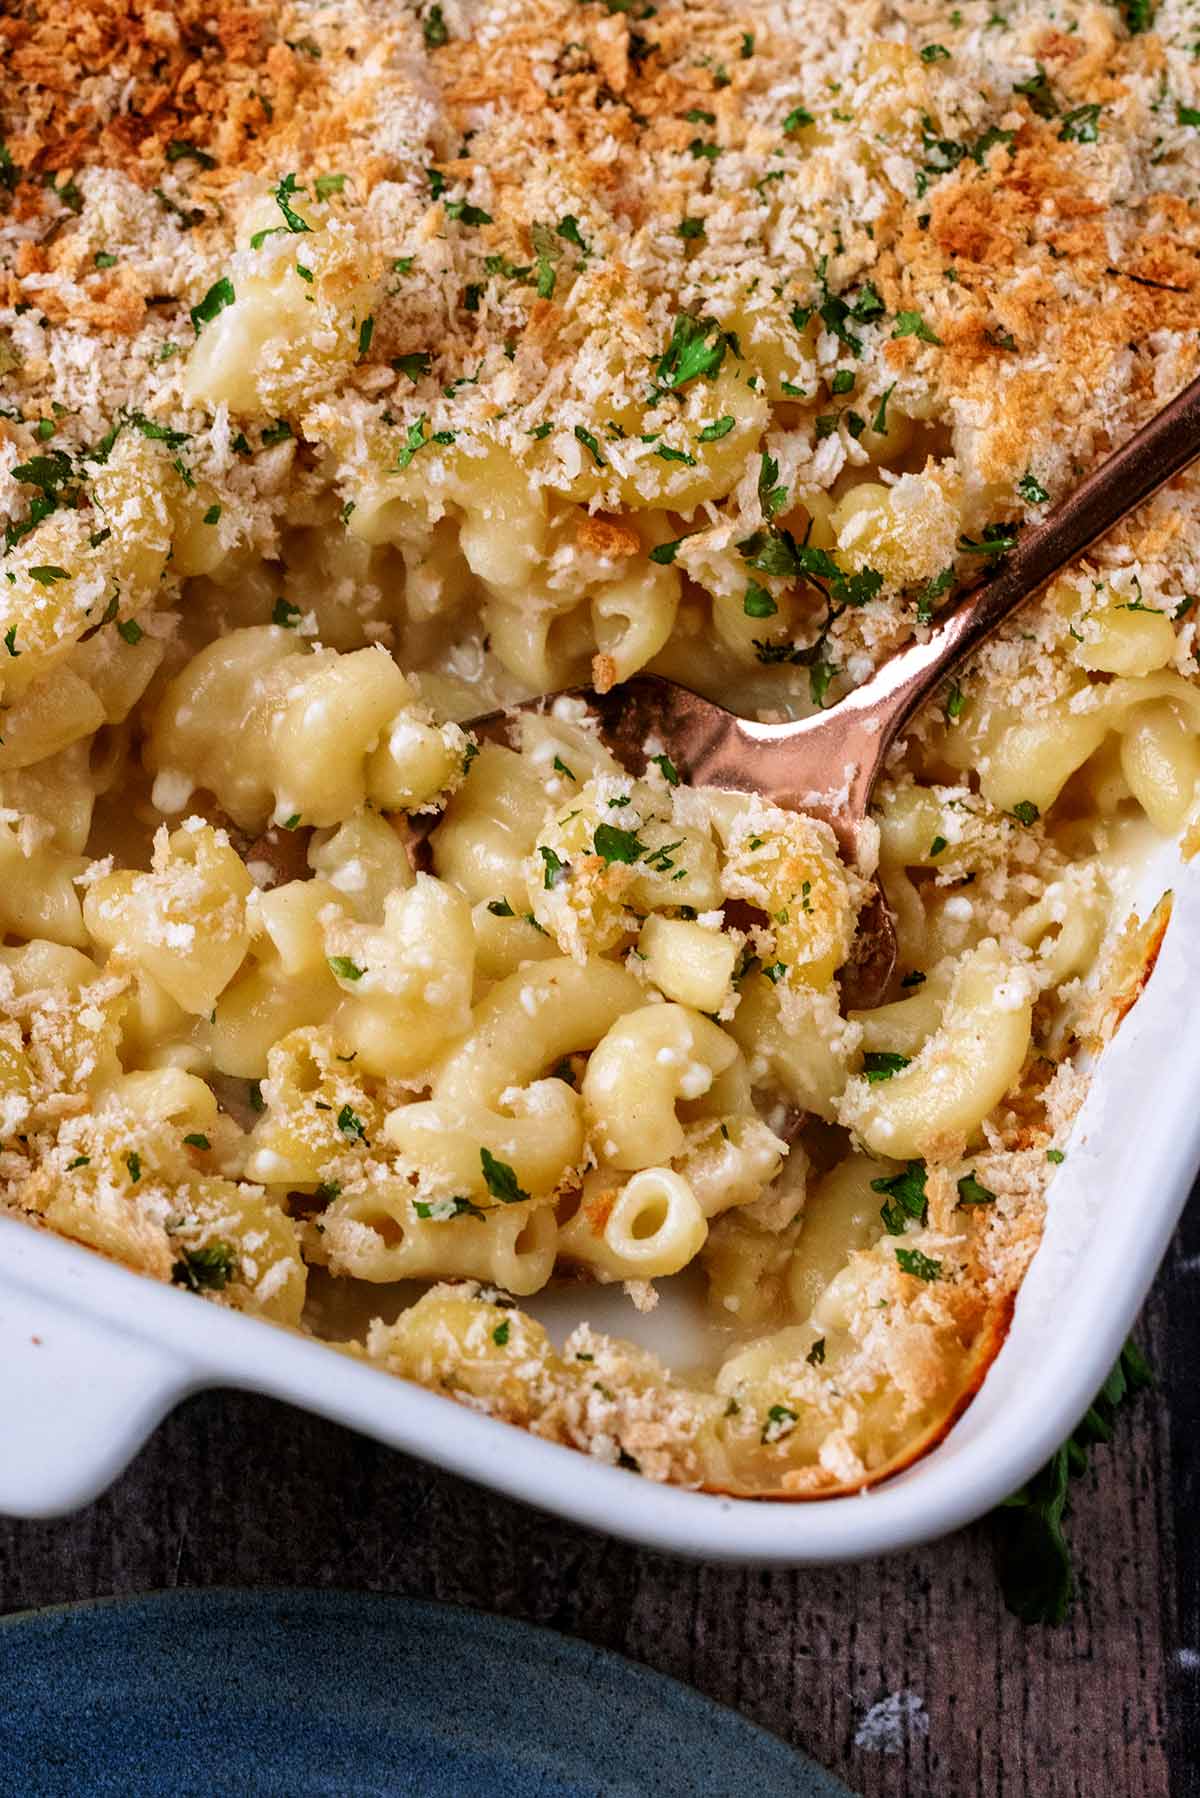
x,y
92,1357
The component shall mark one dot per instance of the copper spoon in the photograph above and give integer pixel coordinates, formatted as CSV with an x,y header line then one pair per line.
x,y
827,765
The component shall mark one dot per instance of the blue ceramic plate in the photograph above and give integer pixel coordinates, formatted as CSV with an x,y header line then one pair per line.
x,y
348,1695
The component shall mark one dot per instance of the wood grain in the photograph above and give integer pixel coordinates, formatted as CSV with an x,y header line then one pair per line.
x,y
236,1490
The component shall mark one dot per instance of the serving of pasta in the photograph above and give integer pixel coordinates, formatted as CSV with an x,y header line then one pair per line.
x,y
367,366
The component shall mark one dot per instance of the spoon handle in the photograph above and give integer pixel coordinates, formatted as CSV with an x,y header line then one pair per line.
x,y
878,710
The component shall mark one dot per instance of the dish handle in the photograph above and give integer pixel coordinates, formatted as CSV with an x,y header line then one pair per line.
x,y
77,1400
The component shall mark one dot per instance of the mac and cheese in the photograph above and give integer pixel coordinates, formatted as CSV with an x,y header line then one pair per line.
x,y
364,370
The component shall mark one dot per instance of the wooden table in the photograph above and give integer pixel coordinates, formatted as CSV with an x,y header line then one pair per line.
x,y
237,1490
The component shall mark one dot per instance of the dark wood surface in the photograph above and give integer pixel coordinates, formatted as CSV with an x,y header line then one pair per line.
x,y
237,1490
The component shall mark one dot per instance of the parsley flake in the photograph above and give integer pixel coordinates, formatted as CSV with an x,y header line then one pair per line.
x,y
912,1261
973,1192
344,968
911,324
1080,125
500,1179
881,1064
780,1422
619,845
905,1193
555,869
351,1125
209,1269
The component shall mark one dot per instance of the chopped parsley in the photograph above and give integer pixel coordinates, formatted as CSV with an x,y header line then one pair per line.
x,y
292,221
776,972
757,602
130,630
1032,490
1026,812
433,29
10,640
797,119
667,769
620,845
104,259
555,868
415,364
344,968
664,553
935,53
720,427
879,422
500,1334
500,908
689,227
697,348
996,541
415,439
881,1064
906,1200
365,333
816,1354
219,295
79,1161
1038,93
440,1211
973,1192
209,1269
351,1125
560,767
325,185
770,497
931,592
500,1179
213,515
843,381
197,1140
584,436
912,324
673,455
1056,1156
286,614
780,1422
180,150
937,845
1080,125
912,1261
47,573
466,214
133,1162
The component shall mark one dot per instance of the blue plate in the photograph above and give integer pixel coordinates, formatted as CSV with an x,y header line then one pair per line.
x,y
352,1696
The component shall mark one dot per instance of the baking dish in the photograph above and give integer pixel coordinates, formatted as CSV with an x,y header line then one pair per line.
x,y
94,1356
